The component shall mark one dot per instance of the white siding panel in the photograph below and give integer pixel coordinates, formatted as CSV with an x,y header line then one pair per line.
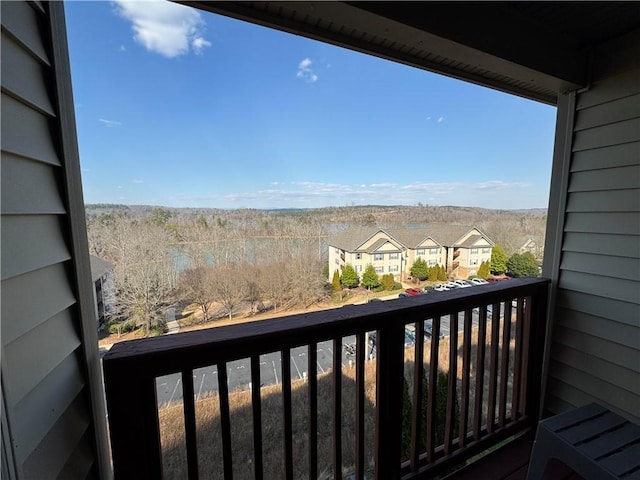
x,y
55,449
31,242
622,312
19,123
610,89
622,109
80,463
606,266
605,201
623,333
606,157
594,386
22,22
32,356
575,397
22,75
21,178
602,244
32,298
612,352
616,288
607,223
625,379
40,409
613,134
621,178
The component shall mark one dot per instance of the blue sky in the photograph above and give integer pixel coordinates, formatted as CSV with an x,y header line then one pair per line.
x,y
182,108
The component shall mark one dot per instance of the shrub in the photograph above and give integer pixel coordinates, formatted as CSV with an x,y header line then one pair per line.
x,y
349,277
388,282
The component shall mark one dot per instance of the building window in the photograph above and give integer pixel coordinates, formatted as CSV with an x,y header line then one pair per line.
x,y
393,256
420,251
432,263
378,257
379,269
486,250
358,256
434,251
474,251
473,262
393,268
358,268
337,261
337,251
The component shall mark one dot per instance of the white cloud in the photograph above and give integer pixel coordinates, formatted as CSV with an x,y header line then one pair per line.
x,y
137,180
308,194
164,27
110,123
440,119
306,72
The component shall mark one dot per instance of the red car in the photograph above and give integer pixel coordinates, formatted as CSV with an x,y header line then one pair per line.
x,y
413,291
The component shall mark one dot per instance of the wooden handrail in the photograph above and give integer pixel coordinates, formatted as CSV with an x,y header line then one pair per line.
x,y
131,368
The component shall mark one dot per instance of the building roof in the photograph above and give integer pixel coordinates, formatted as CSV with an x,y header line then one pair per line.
x,y
99,267
411,237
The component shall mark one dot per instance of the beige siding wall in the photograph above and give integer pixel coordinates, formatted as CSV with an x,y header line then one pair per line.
x,y
595,353
48,415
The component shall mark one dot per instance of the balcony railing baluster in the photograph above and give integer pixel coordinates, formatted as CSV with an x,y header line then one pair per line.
x,y
287,421
493,367
225,421
452,393
479,376
337,408
432,390
504,364
517,361
466,373
417,427
190,424
361,353
312,376
256,410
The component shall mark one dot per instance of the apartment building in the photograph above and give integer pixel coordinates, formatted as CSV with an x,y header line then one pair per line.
x,y
460,249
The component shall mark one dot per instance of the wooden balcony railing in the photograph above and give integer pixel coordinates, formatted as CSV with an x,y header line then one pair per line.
x,y
486,343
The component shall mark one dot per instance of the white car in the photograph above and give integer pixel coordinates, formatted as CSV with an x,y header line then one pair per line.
x,y
461,284
440,288
478,281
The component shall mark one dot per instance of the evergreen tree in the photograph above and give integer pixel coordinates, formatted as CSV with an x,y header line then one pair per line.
x,y
370,278
498,260
388,281
335,283
349,277
419,269
483,271
442,273
522,265
433,273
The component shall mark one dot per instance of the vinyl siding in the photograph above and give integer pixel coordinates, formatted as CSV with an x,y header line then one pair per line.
x,y
595,350
46,401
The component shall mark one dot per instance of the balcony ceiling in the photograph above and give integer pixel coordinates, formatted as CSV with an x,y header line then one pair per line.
x,y
531,49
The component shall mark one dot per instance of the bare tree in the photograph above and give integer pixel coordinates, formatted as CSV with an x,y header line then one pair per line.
x,y
196,285
227,289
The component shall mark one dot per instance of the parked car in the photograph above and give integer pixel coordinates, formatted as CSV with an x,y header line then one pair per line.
x,y
461,284
428,330
440,288
403,295
413,291
451,285
478,281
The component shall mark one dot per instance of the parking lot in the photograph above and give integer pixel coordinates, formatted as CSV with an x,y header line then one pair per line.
x,y
205,380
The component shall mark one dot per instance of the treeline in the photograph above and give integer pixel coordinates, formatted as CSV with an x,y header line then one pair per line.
x,y
256,258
